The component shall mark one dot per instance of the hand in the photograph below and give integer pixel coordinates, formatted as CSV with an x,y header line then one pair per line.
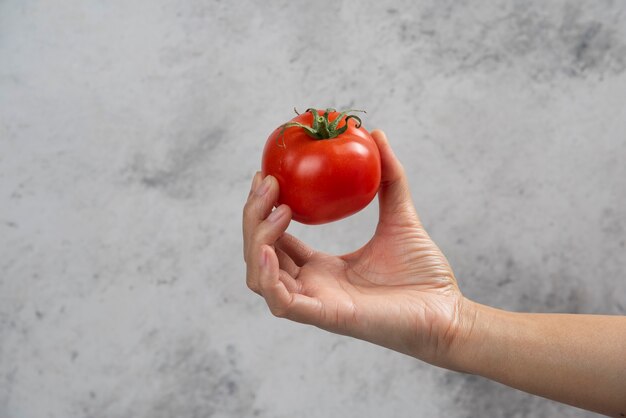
x,y
397,291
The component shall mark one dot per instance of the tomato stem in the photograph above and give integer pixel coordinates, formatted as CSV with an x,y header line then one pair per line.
x,y
321,127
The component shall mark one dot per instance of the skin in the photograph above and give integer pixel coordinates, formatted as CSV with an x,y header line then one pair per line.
x,y
398,291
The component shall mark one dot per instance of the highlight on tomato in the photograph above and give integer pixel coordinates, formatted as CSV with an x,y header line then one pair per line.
x,y
326,163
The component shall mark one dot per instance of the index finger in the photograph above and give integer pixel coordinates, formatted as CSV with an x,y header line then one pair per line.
x,y
261,200
256,179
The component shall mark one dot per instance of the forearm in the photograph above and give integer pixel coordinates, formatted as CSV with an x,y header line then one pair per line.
x,y
575,359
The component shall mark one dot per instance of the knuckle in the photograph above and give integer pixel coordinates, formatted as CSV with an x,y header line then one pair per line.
x,y
252,285
247,207
399,173
256,239
260,235
278,312
306,252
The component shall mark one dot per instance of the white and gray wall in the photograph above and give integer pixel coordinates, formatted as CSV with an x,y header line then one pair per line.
x,y
129,133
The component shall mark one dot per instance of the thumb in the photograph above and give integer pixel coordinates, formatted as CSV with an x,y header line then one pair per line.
x,y
394,196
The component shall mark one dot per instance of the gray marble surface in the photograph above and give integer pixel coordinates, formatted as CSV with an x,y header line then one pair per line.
x,y
129,132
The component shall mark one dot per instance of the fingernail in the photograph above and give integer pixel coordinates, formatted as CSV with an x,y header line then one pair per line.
x,y
277,214
263,187
263,260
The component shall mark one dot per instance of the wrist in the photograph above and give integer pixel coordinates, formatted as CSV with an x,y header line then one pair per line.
x,y
473,348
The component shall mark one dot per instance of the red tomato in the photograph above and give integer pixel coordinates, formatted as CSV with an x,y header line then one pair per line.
x,y
323,179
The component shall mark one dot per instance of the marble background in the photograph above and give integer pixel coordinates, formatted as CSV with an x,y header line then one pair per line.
x,y
129,132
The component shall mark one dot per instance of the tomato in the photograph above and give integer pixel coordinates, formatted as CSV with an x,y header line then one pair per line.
x,y
326,170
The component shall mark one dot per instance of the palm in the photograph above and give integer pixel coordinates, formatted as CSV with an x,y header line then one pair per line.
x,y
399,269
397,290
402,253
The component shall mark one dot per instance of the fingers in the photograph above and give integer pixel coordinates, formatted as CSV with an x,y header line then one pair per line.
x,y
297,250
265,233
263,194
292,285
271,273
261,199
286,263
258,177
394,194
283,302
271,288
261,225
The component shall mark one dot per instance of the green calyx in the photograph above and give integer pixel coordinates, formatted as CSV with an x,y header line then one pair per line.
x,y
321,127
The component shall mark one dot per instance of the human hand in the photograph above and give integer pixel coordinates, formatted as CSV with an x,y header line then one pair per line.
x,y
397,291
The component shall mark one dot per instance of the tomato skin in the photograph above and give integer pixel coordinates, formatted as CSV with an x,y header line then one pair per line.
x,y
323,180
